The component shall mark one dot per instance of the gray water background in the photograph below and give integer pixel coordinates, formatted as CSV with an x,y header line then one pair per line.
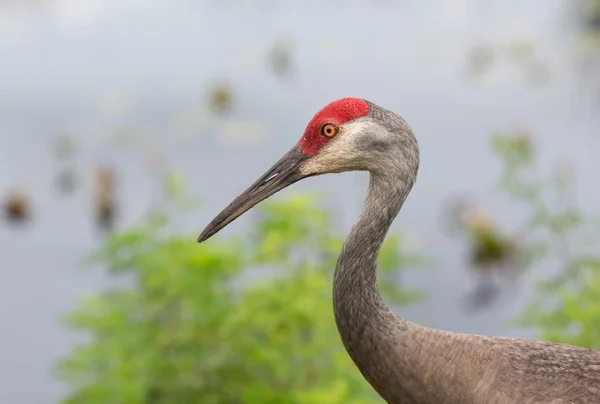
x,y
105,69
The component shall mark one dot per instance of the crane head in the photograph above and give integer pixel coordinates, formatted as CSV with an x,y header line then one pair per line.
x,y
347,134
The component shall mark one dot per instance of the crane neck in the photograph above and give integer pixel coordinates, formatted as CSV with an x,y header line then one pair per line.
x,y
356,296
365,323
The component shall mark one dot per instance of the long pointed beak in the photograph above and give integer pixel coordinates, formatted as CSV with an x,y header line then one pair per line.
x,y
284,173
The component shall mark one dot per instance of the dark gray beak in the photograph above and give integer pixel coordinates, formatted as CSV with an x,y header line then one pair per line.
x,y
284,173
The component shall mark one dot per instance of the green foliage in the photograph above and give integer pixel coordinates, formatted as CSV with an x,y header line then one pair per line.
x,y
557,234
194,326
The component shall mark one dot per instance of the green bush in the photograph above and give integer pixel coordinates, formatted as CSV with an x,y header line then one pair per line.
x,y
560,236
194,326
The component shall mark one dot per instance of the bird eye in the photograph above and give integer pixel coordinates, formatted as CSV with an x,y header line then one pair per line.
x,y
329,130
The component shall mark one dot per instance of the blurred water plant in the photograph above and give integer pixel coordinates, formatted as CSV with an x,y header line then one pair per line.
x,y
280,58
559,235
491,250
221,97
66,180
105,198
197,325
520,52
64,146
17,207
520,49
64,150
480,60
592,16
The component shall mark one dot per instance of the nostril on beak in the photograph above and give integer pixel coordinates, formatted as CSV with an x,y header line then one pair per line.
x,y
270,178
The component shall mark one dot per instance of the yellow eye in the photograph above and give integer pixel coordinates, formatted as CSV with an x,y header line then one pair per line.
x,y
329,130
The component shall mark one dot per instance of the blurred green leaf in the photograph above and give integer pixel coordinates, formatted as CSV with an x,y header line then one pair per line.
x,y
566,309
189,327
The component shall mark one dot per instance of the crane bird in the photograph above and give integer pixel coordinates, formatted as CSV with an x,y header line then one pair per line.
x,y
404,362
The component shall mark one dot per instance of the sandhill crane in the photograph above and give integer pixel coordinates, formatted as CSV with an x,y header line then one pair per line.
x,y
404,362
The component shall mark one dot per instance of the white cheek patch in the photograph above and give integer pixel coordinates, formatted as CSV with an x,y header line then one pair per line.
x,y
352,129
360,127
353,132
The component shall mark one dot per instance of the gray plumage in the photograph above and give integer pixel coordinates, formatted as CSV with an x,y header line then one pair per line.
x,y
404,362
410,364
